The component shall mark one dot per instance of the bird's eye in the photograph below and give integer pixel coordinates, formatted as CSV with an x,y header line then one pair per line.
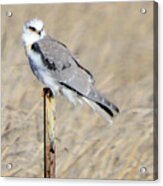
x,y
32,28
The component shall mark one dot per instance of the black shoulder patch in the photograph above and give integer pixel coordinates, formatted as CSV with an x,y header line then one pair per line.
x,y
66,66
51,66
35,47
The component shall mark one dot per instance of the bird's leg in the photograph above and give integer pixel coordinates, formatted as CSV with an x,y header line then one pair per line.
x,y
47,92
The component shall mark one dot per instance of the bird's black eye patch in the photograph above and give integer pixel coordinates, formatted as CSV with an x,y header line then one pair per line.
x,y
32,28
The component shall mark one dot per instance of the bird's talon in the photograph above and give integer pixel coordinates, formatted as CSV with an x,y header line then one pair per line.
x,y
47,92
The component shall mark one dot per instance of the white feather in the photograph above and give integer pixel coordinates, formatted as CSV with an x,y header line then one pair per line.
x,y
71,96
96,108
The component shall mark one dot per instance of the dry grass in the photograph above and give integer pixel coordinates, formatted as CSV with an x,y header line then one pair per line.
x,y
114,41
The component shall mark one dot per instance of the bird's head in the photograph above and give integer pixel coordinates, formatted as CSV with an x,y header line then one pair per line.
x,y
33,31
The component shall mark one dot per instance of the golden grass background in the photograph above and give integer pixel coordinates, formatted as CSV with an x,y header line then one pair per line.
x,y
115,42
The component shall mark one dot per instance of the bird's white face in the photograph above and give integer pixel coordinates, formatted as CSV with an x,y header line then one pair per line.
x,y
33,31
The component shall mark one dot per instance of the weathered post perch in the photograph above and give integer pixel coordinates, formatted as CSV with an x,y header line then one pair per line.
x,y
49,134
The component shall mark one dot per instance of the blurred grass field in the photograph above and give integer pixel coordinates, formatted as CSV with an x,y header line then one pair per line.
x,y
115,42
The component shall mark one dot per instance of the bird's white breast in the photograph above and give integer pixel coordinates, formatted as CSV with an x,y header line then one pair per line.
x,y
41,71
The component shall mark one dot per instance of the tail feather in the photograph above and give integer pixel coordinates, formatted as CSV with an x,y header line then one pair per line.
x,y
100,104
108,110
98,109
97,102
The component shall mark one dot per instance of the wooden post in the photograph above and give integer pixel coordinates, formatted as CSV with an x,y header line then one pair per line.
x,y
49,134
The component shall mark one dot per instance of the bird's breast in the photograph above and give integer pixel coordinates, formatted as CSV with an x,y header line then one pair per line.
x,y
36,63
36,59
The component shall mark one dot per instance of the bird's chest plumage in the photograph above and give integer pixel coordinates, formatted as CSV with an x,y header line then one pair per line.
x,y
35,62
40,70
37,66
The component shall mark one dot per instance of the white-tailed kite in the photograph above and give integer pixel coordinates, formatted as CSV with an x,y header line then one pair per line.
x,y
55,66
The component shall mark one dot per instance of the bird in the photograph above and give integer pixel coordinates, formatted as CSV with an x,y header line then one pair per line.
x,y
58,69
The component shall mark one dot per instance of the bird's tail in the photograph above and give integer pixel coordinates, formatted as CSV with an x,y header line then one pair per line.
x,y
100,104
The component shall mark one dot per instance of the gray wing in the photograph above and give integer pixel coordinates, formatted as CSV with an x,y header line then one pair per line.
x,y
63,66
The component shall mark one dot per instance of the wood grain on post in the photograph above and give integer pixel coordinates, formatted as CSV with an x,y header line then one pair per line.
x,y
49,134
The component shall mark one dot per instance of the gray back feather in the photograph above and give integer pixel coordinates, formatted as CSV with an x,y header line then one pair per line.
x,y
64,66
